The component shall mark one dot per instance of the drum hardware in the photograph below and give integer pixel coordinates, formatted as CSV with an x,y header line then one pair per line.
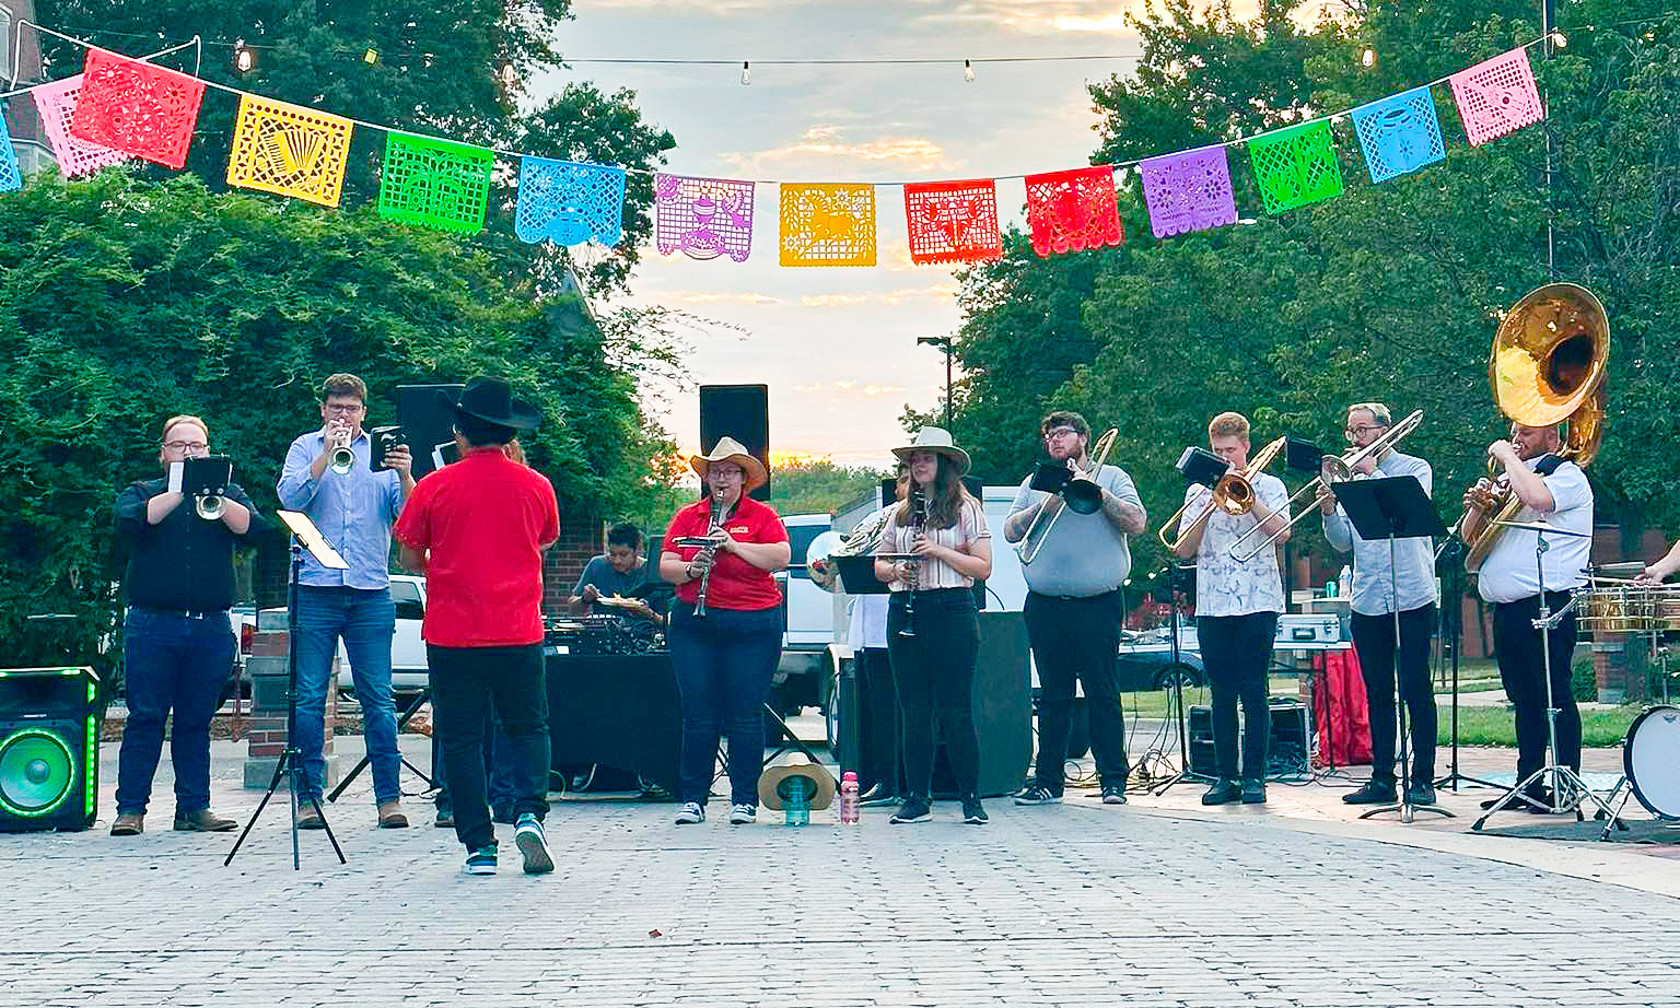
x,y
1556,775
1650,756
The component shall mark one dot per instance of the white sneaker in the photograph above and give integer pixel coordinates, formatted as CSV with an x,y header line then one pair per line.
x,y
741,815
692,812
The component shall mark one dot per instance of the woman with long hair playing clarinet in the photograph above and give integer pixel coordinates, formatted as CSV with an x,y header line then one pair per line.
x,y
725,628
932,632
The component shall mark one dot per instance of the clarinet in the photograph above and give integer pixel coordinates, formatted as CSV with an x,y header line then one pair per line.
x,y
918,518
710,551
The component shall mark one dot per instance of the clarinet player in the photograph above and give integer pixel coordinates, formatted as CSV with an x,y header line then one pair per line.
x,y
725,629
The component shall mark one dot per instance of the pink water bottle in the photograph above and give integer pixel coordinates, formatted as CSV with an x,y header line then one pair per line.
x,y
848,798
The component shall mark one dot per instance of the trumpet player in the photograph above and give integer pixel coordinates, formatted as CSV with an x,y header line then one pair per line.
x,y
725,627
1376,597
178,645
1555,491
1237,607
354,506
1073,609
933,635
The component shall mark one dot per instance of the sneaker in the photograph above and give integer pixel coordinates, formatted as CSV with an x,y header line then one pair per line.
x,y
973,812
1253,792
877,796
1036,794
1223,792
741,815
481,861
1420,794
1374,792
1114,794
913,810
528,835
691,812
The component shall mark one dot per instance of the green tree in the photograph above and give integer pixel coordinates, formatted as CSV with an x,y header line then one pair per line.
x,y
456,68
123,301
819,486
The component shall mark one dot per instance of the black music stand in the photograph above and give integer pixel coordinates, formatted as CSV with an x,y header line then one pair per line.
x,y
304,534
1175,687
1393,508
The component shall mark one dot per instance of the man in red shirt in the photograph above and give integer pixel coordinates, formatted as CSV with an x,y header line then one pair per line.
x,y
477,529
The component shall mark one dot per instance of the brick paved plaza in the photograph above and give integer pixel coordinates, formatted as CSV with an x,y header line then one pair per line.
x,y
1154,903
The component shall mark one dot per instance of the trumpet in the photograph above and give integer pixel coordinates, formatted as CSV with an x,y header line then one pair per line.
x,y
1336,469
341,460
1080,493
210,506
1233,494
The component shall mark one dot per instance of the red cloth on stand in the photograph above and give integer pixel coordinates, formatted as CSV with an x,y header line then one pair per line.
x,y
1340,716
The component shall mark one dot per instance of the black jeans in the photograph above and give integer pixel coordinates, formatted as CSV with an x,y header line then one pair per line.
x,y
724,662
935,673
1516,644
466,681
1373,639
878,720
1077,639
498,764
1236,651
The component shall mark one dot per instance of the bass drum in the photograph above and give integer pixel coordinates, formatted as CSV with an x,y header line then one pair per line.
x,y
1651,758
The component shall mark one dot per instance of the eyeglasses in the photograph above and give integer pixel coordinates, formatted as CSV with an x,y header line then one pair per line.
x,y
1060,432
345,407
1366,429
186,446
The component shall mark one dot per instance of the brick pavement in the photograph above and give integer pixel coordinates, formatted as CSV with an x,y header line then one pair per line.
x,y
1077,904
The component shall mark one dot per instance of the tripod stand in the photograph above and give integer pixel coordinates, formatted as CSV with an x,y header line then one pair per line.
x,y
419,701
290,766
1452,637
1393,508
1175,686
1556,775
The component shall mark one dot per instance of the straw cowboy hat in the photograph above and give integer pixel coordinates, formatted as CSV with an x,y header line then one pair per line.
x,y
730,450
938,441
772,785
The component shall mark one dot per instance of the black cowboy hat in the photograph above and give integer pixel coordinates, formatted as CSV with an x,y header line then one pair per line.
x,y
492,401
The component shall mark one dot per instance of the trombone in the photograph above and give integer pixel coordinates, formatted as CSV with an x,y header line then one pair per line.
x,y
1233,494
1080,493
1335,469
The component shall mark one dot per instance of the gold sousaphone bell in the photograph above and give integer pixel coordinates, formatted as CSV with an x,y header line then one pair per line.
x,y
1547,367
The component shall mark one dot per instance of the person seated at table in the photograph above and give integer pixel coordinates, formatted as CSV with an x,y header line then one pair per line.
x,y
620,572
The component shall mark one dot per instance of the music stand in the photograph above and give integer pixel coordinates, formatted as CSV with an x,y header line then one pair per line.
x,y
1555,773
1393,508
304,536
1175,687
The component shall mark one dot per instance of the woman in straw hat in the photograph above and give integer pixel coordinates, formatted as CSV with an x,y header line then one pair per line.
x,y
724,653
932,632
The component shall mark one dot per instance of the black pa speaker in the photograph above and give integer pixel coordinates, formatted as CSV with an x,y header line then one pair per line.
x,y
1002,709
427,422
741,412
1286,750
49,749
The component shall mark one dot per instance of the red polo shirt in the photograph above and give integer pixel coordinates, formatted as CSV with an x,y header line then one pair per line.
x,y
485,520
735,584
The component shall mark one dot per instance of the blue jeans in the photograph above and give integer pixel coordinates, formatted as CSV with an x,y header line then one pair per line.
x,y
171,663
366,619
723,663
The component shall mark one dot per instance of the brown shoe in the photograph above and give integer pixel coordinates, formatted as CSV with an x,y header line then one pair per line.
x,y
203,821
129,824
308,818
391,816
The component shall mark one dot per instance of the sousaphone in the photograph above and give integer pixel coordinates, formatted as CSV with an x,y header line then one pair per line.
x,y
1546,368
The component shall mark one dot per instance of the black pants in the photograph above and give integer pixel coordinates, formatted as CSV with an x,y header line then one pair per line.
x,y
465,684
1077,639
1237,650
878,721
1517,646
935,674
1373,639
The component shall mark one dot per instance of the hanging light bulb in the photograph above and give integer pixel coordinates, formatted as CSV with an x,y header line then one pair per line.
x,y
1559,39
968,71
1369,58
243,58
746,73
509,75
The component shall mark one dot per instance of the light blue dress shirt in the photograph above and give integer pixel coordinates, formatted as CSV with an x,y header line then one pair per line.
x,y
1414,567
354,512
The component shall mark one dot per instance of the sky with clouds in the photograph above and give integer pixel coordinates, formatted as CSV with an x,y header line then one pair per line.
x,y
837,346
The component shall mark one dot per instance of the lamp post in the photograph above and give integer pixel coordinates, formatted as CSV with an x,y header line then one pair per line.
x,y
944,343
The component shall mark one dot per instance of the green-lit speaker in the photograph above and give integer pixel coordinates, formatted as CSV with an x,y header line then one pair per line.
x,y
49,749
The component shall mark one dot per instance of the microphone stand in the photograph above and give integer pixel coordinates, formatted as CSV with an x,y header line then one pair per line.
x,y
1452,639
1175,686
